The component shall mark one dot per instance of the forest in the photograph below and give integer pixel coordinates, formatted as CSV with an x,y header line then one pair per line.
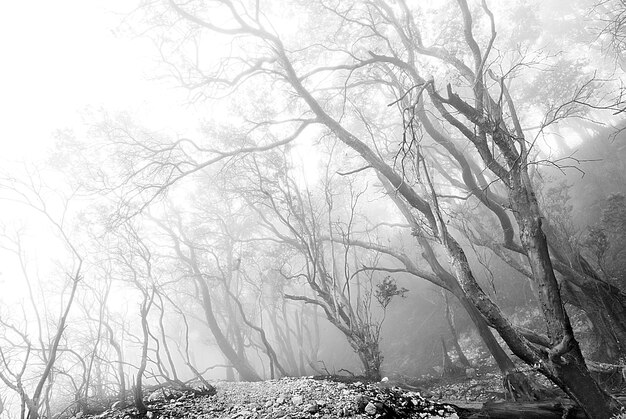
x,y
393,193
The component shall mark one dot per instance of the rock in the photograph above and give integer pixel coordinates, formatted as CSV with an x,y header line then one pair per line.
x,y
312,407
297,400
384,380
280,400
371,409
344,411
155,396
361,402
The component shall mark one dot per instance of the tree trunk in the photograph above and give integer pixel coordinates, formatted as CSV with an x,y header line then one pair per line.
x,y
564,364
450,370
369,354
238,361
282,339
300,340
145,309
455,339
119,362
608,347
240,364
515,410
516,384
33,406
604,304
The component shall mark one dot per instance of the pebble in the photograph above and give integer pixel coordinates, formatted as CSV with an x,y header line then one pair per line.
x,y
295,398
370,409
312,407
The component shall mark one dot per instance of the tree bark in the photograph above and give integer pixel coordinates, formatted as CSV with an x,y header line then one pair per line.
x,y
455,338
450,370
565,362
516,384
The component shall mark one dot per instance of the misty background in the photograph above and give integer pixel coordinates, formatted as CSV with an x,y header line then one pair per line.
x,y
175,207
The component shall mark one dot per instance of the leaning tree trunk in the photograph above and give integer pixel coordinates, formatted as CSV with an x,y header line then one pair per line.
x,y
246,372
564,364
604,304
518,386
238,361
608,344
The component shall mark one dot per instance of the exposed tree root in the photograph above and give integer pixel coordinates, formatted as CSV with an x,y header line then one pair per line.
x,y
519,387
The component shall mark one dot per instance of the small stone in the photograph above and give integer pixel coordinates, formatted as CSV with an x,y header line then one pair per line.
x,y
297,400
312,407
268,404
361,402
154,396
370,409
280,400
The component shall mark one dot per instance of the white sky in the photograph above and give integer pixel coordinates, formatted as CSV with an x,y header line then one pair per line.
x,y
58,57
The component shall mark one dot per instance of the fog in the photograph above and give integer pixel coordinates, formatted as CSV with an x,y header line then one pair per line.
x,y
203,191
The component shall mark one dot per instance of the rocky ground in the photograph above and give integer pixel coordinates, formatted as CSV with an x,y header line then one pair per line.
x,y
288,398
478,396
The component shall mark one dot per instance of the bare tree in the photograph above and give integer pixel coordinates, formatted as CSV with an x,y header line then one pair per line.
x,y
187,252
30,194
354,300
384,48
